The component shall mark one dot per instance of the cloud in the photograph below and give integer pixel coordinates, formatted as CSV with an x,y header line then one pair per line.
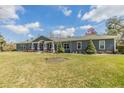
x,y
79,15
19,29
23,29
30,36
10,11
100,13
35,25
67,32
85,27
61,27
66,11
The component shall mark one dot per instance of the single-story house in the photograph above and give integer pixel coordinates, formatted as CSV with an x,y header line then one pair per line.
x,y
103,43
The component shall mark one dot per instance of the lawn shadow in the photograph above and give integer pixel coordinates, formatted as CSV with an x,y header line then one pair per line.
x,y
56,59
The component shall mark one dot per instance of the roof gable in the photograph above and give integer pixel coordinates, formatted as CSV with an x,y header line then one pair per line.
x,y
41,38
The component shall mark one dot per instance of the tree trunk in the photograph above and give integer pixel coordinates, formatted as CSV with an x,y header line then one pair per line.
x,y
1,48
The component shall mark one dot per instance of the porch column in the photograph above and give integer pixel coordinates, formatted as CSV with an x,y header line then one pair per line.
x,y
32,46
38,46
44,46
53,47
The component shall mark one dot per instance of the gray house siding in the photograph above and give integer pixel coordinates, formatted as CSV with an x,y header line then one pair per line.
x,y
109,46
73,47
23,47
18,47
67,50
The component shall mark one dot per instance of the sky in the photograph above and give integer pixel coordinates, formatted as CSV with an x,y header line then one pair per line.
x,y
19,23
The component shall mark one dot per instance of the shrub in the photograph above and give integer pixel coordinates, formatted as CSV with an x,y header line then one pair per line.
x,y
9,47
120,49
60,49
90,48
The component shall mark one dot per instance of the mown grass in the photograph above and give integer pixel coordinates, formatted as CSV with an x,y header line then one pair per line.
x,y
21,69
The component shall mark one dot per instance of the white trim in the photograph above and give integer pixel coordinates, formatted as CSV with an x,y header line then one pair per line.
x,y
48,41
66,47
53,47
32,46
49,44
40,41
45,46
99,44
38,46
34,42
81,45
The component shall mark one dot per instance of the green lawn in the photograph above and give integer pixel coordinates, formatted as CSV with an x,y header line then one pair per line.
x,y
21,69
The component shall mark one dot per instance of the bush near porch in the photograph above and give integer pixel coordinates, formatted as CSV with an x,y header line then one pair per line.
x,y
60,49
120,49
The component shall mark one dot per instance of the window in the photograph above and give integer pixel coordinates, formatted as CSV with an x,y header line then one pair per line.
x,y
79,45
102,44
66,46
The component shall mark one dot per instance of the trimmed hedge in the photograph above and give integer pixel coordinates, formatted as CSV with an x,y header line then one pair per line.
x,y
120,49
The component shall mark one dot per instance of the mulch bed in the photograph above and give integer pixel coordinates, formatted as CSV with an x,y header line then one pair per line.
x,y
56,59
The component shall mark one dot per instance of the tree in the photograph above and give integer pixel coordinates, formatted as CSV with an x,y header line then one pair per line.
x,y
9,47
60,49
2,42
114,26
91,31
90,48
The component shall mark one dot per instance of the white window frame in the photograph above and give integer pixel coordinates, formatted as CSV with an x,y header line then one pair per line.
x,y
66,46
81,45
101,44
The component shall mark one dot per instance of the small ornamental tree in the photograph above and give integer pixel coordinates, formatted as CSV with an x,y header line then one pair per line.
x,y
90,48
60,49
120,48
91,31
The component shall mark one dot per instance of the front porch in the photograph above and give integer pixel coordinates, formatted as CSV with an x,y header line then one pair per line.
x,y
45,46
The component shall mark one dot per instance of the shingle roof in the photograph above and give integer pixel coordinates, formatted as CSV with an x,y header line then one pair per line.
x,y
88,37
36,40
41,38
27,41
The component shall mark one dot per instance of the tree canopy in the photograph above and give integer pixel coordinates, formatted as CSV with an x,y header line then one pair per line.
x,y
2,42
114,26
